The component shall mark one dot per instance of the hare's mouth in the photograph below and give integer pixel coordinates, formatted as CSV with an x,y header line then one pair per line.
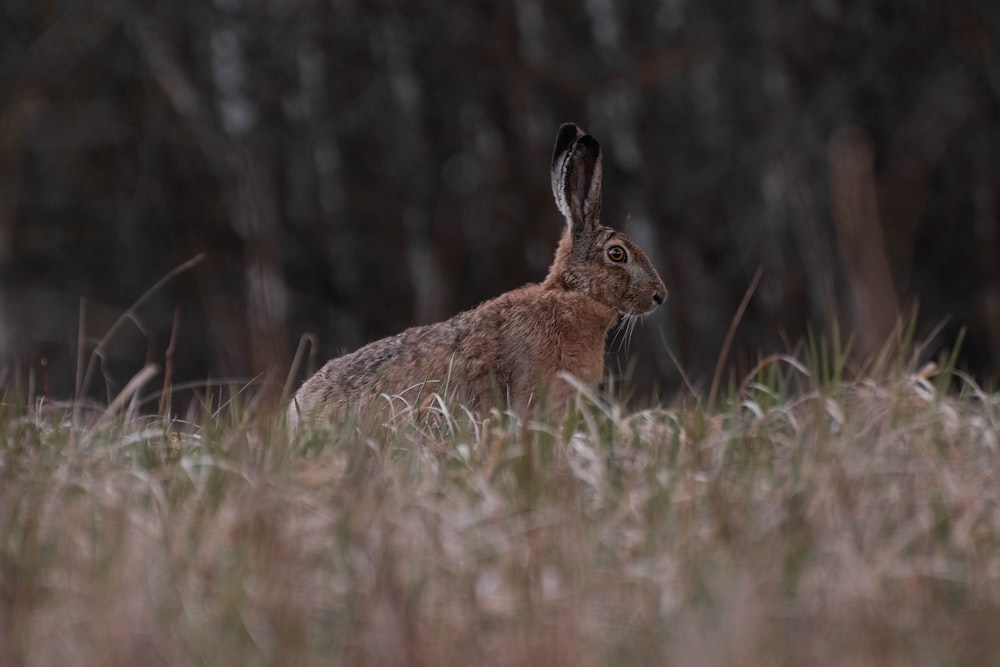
x,y
638,311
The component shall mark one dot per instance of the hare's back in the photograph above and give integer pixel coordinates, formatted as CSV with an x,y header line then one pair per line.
x,y
416,357
502,351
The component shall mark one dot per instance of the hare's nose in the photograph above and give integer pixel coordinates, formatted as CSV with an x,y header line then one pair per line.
x,y
658,299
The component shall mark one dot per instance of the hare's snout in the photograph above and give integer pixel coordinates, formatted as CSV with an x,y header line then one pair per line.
x,y
659,296
644,302
657,291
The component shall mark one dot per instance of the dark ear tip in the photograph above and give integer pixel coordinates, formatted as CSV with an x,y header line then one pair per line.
x,y
590,142
567,134
568,129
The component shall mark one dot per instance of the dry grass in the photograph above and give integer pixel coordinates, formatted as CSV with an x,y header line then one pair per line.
x,y
843,524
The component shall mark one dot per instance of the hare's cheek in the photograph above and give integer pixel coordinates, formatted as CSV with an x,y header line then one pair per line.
x,y
637,278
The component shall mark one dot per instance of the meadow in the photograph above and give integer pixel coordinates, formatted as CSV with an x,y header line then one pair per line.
x,y
797,517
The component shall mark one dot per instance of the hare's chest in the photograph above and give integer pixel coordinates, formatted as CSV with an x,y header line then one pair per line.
x,y
581,356
576,341
533,334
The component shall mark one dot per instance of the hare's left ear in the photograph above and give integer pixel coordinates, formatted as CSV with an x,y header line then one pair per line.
x,y
568,134
576,179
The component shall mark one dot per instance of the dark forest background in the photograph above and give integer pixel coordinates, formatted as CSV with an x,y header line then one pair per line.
x,y
351,168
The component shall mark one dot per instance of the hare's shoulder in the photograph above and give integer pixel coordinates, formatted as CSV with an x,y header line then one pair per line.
x,y
529,335
540,306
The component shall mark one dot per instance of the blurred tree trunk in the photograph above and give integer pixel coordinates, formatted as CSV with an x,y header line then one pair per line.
x,y
253,208
16,122
874,310
249,331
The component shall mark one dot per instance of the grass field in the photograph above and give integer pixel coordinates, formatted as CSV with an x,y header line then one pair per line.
x,y
802,520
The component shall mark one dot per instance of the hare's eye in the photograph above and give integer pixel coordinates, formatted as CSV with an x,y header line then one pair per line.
x,y
616,253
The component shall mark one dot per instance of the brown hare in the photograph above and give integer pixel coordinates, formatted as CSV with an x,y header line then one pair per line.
x,y
508,348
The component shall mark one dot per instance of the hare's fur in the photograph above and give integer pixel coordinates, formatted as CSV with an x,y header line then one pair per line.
x,y
508,348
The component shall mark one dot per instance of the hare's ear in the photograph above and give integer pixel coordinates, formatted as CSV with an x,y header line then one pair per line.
x,y
568,134
576,179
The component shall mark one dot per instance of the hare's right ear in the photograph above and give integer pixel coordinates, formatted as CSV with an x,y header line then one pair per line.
x,y
576,178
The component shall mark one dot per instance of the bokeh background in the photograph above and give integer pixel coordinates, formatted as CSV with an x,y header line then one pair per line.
x,y
351,168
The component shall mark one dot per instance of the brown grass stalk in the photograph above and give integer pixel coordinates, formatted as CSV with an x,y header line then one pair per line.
x,y
168,364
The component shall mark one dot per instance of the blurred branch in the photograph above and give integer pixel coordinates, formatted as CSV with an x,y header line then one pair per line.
x,y
100,349
74,32
178,89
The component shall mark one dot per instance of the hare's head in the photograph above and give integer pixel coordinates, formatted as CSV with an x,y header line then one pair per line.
x,y
592,258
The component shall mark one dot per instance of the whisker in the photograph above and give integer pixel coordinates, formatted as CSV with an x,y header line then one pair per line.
x,y
631,330
625,328
619,331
